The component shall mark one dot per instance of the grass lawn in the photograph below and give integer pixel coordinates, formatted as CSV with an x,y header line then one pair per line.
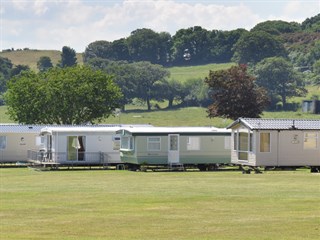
x,y
158,205
196,72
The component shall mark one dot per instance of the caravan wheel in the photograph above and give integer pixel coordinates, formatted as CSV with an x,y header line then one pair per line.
x,y
202,167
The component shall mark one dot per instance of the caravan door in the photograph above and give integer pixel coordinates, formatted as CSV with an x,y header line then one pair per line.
x,y
173,148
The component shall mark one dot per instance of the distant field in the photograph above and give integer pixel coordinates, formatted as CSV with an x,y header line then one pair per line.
x,y
190,116
158,205
31,57
195,72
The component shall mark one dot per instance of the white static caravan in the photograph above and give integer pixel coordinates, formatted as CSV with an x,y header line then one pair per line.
x,y
203,147
16,140
82,145
275,142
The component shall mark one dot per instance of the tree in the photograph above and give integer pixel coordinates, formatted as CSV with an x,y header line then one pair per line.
x,y
252,47
235,94
311,24
316,71
71,95
16,70
146,75
44,63
222,43
194,41
146,45
277,27
169,89
278,76
196,93
5,71
68,57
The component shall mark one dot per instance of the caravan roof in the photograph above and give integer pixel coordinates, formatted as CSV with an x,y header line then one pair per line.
x,y
277,124
173,130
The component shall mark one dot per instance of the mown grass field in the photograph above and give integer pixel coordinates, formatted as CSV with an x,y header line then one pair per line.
x,y
183,74
158,205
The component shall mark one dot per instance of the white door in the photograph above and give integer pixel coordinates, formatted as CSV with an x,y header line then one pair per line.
x,y
173,153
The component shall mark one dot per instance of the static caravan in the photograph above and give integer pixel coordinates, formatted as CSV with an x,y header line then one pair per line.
x,y
81,145
16,140
275,142
203,147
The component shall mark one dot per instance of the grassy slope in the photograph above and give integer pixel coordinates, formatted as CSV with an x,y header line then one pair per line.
x,y
167,205
31,57
192,116
196,72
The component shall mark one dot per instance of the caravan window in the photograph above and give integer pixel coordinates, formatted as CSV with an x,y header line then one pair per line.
x,y
76,148
243,146
264,142
193,143
154,143
310,140
3,142
116,142
127,142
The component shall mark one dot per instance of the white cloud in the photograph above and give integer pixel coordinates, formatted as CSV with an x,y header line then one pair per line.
x,y
40,7
52,24
293,10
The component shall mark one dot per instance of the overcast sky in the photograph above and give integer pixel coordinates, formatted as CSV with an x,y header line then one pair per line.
x,y
52,24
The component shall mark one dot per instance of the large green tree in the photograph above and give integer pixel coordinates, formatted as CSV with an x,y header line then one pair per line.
x,y
146,76
235,94
147,45
68,57
221,49
278,76
71,95
193,42
44,63
254,46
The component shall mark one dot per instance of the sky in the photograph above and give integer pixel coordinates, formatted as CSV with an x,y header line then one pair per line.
x,y
52,24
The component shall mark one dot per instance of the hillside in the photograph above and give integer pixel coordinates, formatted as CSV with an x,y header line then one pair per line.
x,y
31,57
195,72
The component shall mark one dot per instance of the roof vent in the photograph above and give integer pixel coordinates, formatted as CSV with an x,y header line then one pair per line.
x,y
293,127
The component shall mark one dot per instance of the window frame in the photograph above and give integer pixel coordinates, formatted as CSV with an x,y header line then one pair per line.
x,y
260,142
193,143
129,143
155,143
4,142
315,137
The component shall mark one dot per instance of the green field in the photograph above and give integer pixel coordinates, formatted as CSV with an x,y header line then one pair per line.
x,y
158,205
190,116
31,57
196,72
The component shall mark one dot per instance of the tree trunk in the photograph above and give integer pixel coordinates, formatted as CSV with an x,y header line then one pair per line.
x,y
170,104
148,104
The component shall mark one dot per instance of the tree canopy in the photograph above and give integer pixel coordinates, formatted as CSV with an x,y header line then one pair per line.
x,y
44,63
71,95
235,94
68,57
254,46
278,76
